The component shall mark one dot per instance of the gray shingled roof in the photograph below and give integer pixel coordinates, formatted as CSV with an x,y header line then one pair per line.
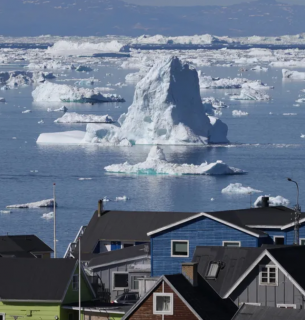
x,y
22,246
112,257
35,279
248,312
126,225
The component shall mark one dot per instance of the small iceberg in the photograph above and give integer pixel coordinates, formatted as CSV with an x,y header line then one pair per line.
x,y
26,111
295,75
124,198
238,188
248,93
48,216
52,92
2,99
73,117
5,211
39,204
156,163
239,113
83,69
273,201
259,68
61,109
82,179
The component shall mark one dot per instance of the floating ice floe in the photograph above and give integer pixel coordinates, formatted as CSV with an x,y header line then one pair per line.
x,y
68,137
207,82
296,75
239,113
290,114
48,216
40,122
259,68
2,99
26,111
250,94
124,198
167,109
64,93
302,135
38,204
83,69
5,211
61,109
73,117
82,179
238,188
273,201
213,105
301,100
156,163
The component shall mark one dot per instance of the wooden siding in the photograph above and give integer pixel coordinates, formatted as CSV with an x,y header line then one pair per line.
x,y
200,232
105,273
34,311
250,290
145,310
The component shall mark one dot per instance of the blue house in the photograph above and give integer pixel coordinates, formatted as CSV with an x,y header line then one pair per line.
x,y
175,243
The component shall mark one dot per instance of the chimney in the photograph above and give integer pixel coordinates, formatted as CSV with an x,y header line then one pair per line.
x,y
189,270
100,208
265,202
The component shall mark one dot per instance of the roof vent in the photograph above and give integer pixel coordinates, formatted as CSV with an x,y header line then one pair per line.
x,y
100,208
265,202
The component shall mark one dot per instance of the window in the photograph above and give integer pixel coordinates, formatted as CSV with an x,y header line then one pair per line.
x,y
279,240
163,303
302,241
119,280
135,282
231,243
2,316
268,275
287,306
213,270
180,248
75,282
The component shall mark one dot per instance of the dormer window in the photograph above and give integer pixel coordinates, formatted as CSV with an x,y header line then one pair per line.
x,y
213,270
268,275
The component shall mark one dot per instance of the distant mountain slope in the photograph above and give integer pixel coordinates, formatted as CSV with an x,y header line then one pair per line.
x,y
102,17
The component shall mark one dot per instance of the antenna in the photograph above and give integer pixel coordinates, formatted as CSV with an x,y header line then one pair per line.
x,y
54,215
250,194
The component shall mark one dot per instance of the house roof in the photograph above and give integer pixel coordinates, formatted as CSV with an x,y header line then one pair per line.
x,y
248,312
238,262
203,299
35,279
119,256
22,246
126,226
259,217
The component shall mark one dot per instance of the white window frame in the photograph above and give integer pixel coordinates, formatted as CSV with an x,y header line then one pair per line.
x,y
239,243
113,282
177,256
286,305
158,294
276,275
3,315
274,237
73,283
301,240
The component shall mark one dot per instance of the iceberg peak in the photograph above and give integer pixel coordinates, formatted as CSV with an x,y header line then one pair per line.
x,y
156,153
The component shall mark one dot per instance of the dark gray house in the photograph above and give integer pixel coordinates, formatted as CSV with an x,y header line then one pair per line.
x,y
118,271
265,276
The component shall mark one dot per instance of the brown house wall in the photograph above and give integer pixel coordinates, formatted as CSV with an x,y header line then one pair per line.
x,y
145,311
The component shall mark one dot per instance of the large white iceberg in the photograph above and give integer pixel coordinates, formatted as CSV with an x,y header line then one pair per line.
x,y
156,163
73,117
296,75
52,92
167,109
238,188
39,204
273,201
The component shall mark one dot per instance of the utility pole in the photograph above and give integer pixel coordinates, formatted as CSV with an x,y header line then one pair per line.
x,y
79,278
54,216
297,215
